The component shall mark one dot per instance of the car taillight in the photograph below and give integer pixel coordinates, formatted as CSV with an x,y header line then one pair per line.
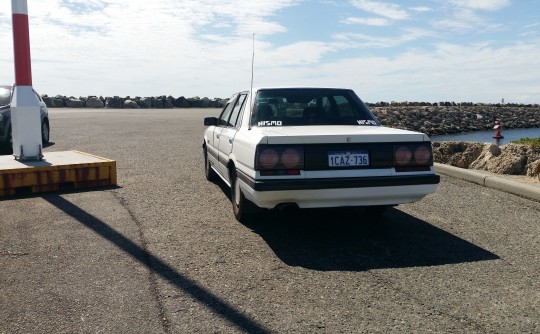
x,y
407,155
403,155
268,159
288,159
422,155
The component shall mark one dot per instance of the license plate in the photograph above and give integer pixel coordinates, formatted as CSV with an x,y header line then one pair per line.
x,y
348,158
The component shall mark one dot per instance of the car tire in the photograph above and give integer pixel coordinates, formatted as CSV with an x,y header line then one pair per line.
x,y
7,146
244,210
45,132
209,173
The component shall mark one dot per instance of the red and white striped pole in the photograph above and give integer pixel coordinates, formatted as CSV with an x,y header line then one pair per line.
x,y
25,106
21,43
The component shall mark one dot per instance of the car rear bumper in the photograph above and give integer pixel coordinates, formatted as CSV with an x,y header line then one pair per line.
x,y
318,193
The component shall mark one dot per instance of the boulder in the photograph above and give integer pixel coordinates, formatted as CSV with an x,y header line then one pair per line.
x,y
533,169
194,102
459,154
145,102
49,101
58,102
181,102
114,102
94,102
507,164
157,103
168,102
130,104
74,103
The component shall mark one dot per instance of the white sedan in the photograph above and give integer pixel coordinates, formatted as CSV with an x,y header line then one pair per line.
x,y
313,148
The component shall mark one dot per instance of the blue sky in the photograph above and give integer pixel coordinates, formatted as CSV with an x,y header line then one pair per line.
x,y
417,50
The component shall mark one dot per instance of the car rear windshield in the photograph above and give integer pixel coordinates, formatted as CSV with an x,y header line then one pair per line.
x,y
310,106
5,94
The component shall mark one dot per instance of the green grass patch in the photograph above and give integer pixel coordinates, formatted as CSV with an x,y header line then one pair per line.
x,y
532,142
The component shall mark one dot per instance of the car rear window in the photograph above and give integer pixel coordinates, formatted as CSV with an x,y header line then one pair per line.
x,y
310,106
5,94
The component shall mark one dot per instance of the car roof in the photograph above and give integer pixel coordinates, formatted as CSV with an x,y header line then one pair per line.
x,y
298,87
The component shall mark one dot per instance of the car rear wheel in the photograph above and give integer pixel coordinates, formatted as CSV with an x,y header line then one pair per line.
x,y
45,132
243,209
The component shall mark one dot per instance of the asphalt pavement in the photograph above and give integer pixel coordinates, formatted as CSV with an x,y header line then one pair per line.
x,y
162,252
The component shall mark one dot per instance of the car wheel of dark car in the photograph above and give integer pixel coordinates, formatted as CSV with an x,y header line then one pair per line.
x,y
45,132
243,209
6,147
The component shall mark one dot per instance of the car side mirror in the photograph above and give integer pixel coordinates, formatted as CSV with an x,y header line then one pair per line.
x,y
209,121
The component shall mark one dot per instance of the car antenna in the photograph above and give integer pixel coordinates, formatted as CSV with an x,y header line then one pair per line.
x,y
251,88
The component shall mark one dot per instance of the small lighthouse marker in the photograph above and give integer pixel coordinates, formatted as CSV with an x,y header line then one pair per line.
x,y
25,107
497,129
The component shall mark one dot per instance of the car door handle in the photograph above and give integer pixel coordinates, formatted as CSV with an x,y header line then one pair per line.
x,y
230,141
217,136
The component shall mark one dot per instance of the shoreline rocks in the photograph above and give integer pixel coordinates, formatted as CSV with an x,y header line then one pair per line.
x,y
436,120
117,102
510,159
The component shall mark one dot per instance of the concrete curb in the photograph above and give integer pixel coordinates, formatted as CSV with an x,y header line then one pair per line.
x,y
490,181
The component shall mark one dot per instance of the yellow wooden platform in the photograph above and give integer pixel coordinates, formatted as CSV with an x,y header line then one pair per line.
x,y
57,171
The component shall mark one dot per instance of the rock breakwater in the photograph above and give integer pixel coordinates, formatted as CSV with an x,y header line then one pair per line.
x,y
117,102
435,120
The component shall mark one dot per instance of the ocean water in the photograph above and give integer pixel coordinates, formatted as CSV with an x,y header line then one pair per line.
x,y
486,136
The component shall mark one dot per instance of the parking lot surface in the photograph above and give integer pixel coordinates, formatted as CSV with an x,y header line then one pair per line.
x,y
162,252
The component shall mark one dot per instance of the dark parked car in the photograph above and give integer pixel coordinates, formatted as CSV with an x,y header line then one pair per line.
x,y
6,93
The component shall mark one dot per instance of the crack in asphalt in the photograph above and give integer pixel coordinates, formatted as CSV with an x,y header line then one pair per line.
x,y
153,279
13,254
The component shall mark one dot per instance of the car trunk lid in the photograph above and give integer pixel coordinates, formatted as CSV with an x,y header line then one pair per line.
x,y
334,134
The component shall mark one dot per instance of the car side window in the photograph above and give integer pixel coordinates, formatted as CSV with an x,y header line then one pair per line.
x,y
235,119
226,113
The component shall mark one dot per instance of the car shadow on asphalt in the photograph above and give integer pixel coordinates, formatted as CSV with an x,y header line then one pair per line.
x,y
352,240
158,266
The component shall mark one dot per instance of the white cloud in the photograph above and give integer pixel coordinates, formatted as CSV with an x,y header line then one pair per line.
x,y
464,19
388,10
372,21
356,40
421,9
482,4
